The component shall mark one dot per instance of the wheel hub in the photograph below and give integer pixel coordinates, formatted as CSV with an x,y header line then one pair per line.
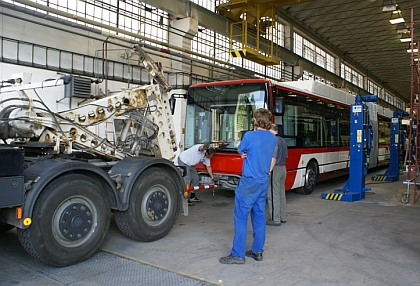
x,y
75,221
157,206
310,178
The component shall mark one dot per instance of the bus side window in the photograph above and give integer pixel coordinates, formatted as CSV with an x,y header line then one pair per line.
x,y
345,140
291,142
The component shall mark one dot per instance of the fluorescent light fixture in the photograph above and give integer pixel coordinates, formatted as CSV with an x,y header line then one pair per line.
x,y
405,38
401,28
396,17
414,50
389,5
397,20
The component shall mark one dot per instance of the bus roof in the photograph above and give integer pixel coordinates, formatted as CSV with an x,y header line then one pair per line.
x,y
307,87
318,89
234,81
312,87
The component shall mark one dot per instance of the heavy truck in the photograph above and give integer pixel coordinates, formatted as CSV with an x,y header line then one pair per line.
x,y
62,179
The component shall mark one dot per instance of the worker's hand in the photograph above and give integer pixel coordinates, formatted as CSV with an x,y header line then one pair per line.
x,y
243,156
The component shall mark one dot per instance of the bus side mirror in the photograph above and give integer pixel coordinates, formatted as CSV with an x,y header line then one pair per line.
x,y
278,106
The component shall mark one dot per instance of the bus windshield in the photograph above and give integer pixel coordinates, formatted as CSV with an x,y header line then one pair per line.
x,y
222,113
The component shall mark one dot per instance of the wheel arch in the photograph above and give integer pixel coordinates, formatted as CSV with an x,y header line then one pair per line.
x,y
44,172
128,170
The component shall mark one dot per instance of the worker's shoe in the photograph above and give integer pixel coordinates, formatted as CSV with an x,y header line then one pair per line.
x,y
273,223
190,203
283,221
232,259
195,200
256,255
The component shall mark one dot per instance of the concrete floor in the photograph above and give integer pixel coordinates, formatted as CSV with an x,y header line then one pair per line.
x,y
374,241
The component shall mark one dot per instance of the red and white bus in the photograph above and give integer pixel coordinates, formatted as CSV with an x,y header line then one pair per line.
x,y
313,118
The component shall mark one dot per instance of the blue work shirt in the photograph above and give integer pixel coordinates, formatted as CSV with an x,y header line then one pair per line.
x,y
259,146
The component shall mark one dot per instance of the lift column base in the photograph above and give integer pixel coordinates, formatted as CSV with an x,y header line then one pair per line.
x,y
339,195
385,178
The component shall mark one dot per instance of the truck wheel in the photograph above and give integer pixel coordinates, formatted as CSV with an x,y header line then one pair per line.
x,y
69,222
310,180
153,207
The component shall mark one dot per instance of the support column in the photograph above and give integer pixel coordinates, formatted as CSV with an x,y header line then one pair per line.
x,y
289,43
181,32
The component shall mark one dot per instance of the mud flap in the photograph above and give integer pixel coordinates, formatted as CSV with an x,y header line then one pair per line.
x,y
184,210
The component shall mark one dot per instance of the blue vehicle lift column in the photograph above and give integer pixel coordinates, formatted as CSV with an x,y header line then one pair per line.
x,y
393,172
360,145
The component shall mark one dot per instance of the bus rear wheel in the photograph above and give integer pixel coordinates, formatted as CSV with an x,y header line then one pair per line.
x,y
310,179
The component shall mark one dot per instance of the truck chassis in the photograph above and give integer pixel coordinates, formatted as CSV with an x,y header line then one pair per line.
x,y
60,180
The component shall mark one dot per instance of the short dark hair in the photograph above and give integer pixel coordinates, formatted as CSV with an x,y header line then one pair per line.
x,y
274,127
210,151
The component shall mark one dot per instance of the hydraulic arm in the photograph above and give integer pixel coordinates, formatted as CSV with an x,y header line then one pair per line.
x,y
147,126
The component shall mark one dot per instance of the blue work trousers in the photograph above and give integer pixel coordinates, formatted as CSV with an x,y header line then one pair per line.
x,y
250,197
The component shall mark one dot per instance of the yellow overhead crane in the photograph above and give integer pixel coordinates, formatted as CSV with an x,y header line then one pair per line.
x,y
254,33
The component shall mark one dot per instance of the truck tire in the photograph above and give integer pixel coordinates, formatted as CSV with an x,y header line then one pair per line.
x,y
310,179
152,208
69,222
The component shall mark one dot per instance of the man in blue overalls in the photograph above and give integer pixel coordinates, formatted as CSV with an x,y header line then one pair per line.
x,y
257,149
